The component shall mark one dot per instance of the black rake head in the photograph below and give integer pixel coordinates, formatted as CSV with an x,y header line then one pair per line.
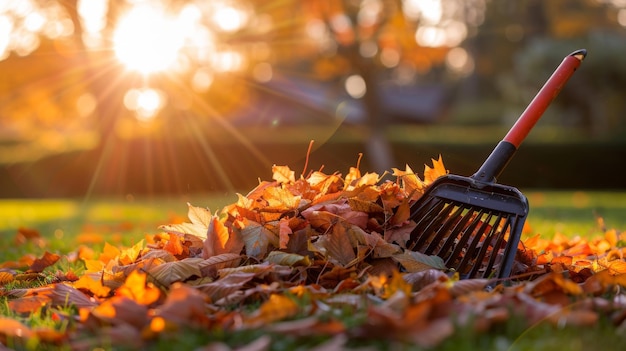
x,y
475,227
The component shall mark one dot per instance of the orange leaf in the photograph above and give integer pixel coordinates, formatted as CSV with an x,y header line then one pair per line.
x,y
92,285
552,282
617,267
283,233
221,239
27,234
122,308
611,237
278,307
10,328
5,277
438,170
29,304
564,260
174,245
44,262
402,214
109,252
136,288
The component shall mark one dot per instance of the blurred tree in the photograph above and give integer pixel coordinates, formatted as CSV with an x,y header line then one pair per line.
x,y
129,61
520,43
366,46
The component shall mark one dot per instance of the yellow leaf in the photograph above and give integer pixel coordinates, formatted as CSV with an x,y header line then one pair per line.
x,y
93,265
411,183
283,175
352,176
199,216
130,255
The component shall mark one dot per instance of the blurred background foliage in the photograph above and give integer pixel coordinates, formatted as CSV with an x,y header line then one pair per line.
x,y
124,96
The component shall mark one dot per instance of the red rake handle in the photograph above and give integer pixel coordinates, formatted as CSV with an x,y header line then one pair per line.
x,y
502,154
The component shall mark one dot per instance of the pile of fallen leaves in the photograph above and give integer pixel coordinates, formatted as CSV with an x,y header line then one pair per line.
x,y
293,257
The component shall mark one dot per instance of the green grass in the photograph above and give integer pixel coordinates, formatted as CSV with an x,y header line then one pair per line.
x,y
117,221
576,213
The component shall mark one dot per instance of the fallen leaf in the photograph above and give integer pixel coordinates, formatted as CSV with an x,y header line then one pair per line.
x,y
47,260
283,175
276,308
257,239
10,328
414,261
92,284
138,289
287,259
178,271
5,277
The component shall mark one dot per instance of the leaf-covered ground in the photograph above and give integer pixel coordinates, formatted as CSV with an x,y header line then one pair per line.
x,y
319,257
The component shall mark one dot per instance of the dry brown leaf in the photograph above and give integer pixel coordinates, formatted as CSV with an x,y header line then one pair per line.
x,y
47,260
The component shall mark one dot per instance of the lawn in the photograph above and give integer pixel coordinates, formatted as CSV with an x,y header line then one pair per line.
x,y
67,223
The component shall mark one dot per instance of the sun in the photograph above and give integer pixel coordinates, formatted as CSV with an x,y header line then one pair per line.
x,y
147,40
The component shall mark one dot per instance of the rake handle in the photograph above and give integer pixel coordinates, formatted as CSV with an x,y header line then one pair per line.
x,y
504,151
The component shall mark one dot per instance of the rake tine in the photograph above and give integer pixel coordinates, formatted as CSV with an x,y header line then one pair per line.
x,y
436,215
465,235
496,248
509,251
485,246
475,241
452,237
443,229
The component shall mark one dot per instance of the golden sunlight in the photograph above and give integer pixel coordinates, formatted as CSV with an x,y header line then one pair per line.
x,y
146,103
147,40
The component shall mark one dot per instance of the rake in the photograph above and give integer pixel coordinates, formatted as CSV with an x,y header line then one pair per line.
x,y
473,223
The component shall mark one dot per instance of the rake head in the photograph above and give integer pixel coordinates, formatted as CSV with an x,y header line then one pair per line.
x,y
475,227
